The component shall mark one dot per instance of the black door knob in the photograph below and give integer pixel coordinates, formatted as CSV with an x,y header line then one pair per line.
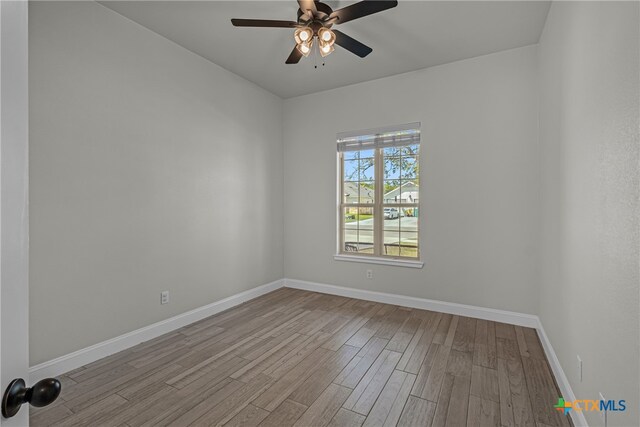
x,y
41,394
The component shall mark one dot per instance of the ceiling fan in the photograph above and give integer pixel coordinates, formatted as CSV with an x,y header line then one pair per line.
x,y
314,27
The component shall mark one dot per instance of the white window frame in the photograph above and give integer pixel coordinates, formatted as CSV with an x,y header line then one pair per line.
x,y
378,256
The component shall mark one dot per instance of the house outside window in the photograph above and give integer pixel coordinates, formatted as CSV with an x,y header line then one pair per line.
x,y
379,193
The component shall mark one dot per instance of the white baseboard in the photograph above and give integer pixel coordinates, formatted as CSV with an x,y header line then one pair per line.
x,y
95,352
563,382
513,318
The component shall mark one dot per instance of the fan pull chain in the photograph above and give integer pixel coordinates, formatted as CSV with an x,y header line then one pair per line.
x,y
316,50
315,54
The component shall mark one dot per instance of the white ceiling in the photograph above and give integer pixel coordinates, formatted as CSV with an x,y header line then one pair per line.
x,y
414,35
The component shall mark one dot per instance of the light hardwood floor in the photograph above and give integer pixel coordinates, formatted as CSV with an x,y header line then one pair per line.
x,y
307,359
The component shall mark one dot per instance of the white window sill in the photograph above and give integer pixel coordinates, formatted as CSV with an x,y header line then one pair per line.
x,y
381,261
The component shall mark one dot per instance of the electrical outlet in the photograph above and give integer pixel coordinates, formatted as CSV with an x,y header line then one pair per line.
x,y
603,413
579,368
369,274
164,297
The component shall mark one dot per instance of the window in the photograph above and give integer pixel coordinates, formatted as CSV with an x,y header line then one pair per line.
x,y
379,192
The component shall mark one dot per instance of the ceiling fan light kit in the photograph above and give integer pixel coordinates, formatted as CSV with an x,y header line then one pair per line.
x,y
302,35
326,35
314,23
326,49
305,47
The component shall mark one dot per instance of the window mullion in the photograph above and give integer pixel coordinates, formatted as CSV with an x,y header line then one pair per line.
x,y
341,203
379,194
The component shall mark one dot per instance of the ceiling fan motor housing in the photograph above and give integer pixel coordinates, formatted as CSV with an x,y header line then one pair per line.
x,y
322,12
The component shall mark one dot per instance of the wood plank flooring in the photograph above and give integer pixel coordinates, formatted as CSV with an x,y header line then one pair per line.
x,y
297,358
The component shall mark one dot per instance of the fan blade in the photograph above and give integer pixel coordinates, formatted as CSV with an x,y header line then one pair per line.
x,y
263,23
351,44
294,57
363,8
306,5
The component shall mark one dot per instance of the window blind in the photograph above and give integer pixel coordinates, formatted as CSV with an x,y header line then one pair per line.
x,y
393,136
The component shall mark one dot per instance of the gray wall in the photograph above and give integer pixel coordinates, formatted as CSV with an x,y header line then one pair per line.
x,y
480,180
589,146
151,169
